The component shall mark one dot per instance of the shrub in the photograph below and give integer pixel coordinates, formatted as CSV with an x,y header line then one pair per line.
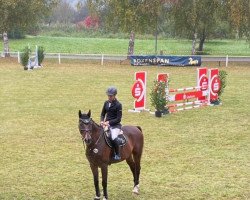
x,y
16,33
158,95
223,81
25,56
40,55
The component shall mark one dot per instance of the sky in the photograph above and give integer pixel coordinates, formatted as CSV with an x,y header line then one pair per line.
x,y
73,2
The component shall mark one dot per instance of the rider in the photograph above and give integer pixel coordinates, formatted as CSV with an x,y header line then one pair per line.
x,y
111,116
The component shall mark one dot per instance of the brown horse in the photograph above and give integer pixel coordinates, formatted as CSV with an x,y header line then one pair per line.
x,y
99,154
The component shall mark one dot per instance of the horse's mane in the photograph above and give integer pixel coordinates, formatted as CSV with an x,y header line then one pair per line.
x,y
97,125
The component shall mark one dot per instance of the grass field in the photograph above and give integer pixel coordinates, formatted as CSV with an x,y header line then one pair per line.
x,y
120,46
196,154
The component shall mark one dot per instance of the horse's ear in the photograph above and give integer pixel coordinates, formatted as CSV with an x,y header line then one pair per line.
x,y
89,113
80,113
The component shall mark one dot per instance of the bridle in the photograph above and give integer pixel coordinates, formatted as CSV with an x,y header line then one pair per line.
x,y
88,130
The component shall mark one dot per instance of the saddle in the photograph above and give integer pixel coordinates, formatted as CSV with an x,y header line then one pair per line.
x,y
121,138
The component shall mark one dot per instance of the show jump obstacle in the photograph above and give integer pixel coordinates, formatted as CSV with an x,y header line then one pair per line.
x,y
203,94
33,61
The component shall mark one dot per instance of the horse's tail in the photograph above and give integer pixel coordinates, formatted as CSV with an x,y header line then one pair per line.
x,y
139,128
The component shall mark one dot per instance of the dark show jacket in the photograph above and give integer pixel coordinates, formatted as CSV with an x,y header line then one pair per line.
x,y
114,113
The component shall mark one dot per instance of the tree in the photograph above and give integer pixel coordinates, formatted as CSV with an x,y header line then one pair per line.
x,y
138,15
22,14
238,14
81,12
63,13
195,18
141,16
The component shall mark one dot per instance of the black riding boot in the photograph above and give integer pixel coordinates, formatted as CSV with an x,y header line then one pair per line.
x,y
117,149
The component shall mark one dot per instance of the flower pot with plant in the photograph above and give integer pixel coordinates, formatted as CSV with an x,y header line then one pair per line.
x,y
40,54
158,97
223,81
25,57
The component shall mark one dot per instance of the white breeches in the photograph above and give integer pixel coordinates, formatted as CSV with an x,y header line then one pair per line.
x,y
114,132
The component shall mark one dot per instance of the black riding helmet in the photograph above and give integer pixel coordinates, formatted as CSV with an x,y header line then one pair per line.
x,y
111,91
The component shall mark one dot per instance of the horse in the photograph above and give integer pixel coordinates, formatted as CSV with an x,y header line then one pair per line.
x,y
99,153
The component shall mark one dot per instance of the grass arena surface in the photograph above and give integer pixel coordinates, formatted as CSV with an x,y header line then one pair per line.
x,y
195,154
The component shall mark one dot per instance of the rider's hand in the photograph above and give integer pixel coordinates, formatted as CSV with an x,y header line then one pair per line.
x,y
106,123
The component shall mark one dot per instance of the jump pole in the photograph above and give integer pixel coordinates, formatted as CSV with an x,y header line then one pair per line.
x,y
199,93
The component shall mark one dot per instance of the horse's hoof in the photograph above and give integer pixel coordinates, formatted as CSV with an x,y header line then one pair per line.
x,y
104,198
97,198
136,190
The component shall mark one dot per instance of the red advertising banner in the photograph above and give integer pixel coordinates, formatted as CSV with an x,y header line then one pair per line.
x,y
214,84
202,81
139,90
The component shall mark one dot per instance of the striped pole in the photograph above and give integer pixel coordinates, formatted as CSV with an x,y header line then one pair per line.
x,y
184,89
188,108
187,103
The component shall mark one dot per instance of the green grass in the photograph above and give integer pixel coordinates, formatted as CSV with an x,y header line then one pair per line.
x,y
196,154
120,46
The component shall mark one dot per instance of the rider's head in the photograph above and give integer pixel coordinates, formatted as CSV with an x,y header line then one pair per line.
x,y
111,92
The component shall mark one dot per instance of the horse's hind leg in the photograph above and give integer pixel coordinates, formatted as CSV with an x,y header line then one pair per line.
x,y
137,161
131,164
134,164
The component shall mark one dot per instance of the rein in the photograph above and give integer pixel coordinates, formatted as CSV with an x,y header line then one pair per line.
x,y
98,139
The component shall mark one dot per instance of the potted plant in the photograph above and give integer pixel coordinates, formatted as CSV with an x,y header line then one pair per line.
x,y
40,54
223,79
25,57
223,82
158,97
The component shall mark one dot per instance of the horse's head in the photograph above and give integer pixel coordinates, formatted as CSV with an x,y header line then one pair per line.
x,y
85,126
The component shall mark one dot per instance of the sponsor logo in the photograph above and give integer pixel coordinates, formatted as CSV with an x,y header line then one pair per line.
x,y
215,86
138,90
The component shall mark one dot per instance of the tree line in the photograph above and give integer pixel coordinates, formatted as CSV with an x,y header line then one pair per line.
x,y
192,19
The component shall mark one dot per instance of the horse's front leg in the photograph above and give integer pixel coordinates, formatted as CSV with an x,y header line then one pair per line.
x,y
105,181
96,181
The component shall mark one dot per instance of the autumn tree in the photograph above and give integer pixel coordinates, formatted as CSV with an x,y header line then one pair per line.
x,y
238,14
21,14
138,16
192,19
81,11
62,13
195,19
